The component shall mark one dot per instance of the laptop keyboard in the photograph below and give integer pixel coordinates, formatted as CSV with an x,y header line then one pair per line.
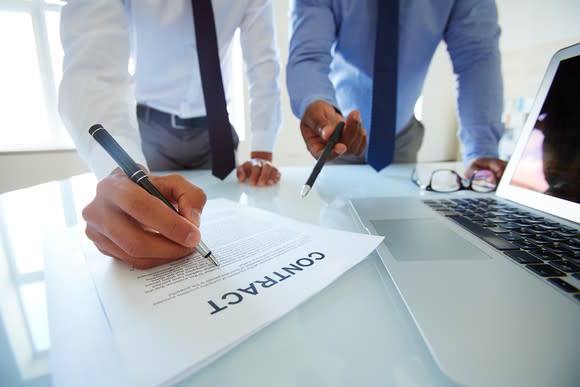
x,y
549,249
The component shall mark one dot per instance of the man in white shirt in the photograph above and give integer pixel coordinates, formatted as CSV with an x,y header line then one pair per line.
x,y
158,115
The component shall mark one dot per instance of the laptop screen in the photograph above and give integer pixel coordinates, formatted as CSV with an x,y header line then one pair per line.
x,y
550,162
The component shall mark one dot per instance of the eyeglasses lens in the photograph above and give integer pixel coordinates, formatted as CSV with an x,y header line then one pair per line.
x,y
445,181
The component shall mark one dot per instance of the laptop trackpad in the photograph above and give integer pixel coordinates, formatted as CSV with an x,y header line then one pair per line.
x,y
425,240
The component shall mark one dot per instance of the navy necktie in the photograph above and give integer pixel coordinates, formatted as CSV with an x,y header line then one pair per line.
x,y
384,104
221,140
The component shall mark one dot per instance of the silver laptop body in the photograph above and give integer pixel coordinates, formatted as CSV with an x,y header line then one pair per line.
x,y
490,319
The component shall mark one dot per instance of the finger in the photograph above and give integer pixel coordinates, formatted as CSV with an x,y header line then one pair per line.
x,y
255,173
327,130
274,177
338,150
265,173
148,211
241,173
130,236
316,148
360,146
107,247
317,125
497,166
314,143
320,114
470,170
353,133
190,199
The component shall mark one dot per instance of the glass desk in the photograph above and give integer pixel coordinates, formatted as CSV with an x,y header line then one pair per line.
x,y
355,332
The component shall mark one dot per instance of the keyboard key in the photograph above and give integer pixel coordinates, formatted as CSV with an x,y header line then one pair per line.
x,y
522,257
565,286
485,235
545,270
558,251
553,238
567,233
512,236
545,255
497,230
573,249
546,226
511,226
539,240
527,245
565,266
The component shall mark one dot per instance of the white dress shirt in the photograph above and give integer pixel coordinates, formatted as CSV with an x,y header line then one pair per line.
x,y
99,37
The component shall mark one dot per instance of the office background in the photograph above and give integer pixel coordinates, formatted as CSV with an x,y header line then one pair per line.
x,y
532,31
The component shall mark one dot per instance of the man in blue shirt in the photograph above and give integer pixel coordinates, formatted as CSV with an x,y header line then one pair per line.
x,y
330,69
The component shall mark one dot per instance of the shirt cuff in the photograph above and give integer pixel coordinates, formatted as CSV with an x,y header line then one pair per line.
x,y
481,141
473,152
263,141
316,97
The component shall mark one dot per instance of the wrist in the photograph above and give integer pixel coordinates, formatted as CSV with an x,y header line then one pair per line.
x,y
261,155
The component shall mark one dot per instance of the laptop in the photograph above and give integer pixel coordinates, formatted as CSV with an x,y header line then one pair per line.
x,y
492,280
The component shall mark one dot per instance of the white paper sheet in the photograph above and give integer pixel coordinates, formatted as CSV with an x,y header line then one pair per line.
x,y
172,320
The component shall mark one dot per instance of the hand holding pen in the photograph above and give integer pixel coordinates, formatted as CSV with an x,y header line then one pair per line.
x,y
319,123
122,214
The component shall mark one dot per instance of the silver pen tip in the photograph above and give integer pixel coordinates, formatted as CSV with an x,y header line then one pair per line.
x,y
212,258
304,191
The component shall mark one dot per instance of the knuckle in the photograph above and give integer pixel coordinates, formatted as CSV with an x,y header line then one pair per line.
x,y
87,213
91,234
138,206
102,186
132,248
202,197
174,177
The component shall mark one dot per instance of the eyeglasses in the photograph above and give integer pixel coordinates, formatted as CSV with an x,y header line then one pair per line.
x,y
447,180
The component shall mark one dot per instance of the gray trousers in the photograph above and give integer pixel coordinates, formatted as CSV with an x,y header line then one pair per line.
x,y
167,148
407,144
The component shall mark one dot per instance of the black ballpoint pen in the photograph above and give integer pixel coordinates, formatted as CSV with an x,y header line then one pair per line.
x,y
136,174
322,159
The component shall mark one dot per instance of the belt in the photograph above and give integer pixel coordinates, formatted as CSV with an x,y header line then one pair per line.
x,y
169,120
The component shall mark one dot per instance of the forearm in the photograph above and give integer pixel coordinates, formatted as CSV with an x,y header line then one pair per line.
x,y
473,44
261,57
96,86
312,36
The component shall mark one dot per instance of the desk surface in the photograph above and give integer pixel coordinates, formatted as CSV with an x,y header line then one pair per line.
x,y
355,332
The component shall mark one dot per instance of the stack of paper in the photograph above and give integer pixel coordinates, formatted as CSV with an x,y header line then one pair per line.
x,y
169,321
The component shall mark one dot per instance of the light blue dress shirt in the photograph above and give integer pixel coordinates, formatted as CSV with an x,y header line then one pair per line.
x,y
331,58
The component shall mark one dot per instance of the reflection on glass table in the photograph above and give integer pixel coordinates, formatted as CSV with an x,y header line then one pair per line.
x,y
27,217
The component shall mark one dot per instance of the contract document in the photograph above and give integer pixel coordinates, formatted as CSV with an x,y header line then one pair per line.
x,y
168,322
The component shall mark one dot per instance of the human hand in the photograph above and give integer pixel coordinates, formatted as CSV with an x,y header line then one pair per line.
x,y
497,166
318,123
127,223
259,170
